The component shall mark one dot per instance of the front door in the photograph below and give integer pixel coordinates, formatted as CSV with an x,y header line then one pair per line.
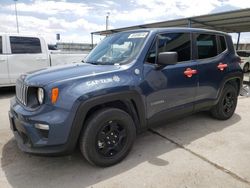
x,y
171,89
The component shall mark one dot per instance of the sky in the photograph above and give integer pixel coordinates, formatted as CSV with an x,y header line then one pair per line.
x,y
75,19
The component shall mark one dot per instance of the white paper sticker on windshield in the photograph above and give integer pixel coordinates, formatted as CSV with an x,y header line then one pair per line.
x,y
137,35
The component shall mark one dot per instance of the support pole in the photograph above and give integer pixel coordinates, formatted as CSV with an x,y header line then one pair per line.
x,y
189,23
17,25
238,41
107,21
92,40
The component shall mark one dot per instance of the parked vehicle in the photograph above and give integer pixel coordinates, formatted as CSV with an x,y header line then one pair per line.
x,y
20,54
245,59
153,76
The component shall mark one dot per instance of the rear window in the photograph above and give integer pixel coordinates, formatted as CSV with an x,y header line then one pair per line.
x,y
206,45
243,54
23,45
1,45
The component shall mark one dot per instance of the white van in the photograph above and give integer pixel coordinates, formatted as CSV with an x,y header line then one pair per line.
x,y
21,54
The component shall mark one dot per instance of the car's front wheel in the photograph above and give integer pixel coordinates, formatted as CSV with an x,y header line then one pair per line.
x,y
226,106
108,137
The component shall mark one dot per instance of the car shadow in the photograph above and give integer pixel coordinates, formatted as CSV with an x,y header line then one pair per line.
x,y
25,170
7,92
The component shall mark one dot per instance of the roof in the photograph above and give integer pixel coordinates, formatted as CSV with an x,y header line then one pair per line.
x,y
21,35
232,22
176,29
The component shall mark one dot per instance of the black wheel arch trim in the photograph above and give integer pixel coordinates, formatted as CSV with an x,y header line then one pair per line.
x,y
127,97
228,78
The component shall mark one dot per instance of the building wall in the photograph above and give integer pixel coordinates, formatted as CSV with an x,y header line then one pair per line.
x,y
245,46
74,47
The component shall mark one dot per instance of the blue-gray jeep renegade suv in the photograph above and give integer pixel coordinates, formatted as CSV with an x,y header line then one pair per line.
x,y
129,82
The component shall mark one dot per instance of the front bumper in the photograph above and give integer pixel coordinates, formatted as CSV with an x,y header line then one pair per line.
x,y
57,140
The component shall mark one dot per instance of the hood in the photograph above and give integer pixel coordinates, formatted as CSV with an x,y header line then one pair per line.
x,y
60,73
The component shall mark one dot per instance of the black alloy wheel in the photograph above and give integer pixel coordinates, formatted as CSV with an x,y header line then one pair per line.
x,y
227,103
107,137
111,138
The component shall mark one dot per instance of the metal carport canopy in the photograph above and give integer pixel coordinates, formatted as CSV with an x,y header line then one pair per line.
x,y
232,22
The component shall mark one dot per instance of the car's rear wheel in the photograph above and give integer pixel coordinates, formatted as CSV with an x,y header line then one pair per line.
x,y
226,106
246,68
108,137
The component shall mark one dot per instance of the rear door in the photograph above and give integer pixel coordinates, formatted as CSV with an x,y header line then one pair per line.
x,y
4,74
27,54
211,57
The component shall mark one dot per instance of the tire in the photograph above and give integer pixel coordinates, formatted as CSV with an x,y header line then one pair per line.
x,y
226,106
246,68
108,137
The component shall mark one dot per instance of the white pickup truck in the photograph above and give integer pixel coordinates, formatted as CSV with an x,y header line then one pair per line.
x,y
21,54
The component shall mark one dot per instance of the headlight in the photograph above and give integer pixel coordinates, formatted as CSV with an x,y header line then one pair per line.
x,y
40,95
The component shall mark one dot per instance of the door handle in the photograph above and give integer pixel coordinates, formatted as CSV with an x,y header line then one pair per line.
x,y
222,66
3,60
189,72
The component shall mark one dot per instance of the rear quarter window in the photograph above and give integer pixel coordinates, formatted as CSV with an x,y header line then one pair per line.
x,y
24,45
223,44
206,46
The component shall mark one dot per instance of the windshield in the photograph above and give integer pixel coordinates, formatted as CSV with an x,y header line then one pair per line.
x,y
119,48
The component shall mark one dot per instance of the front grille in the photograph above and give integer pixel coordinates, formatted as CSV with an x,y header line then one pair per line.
x,y
21,92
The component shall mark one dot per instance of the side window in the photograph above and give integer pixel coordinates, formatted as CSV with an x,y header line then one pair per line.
x,y
23,45
172,42
222,43
151,54
1,45
206,46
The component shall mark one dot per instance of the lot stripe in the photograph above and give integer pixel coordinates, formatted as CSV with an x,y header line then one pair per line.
x,y
232,174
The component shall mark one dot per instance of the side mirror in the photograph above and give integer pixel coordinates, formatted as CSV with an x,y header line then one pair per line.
x,y
167,58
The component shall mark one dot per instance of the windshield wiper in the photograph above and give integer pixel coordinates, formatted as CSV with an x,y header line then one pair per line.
x,y
99,63
93,62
